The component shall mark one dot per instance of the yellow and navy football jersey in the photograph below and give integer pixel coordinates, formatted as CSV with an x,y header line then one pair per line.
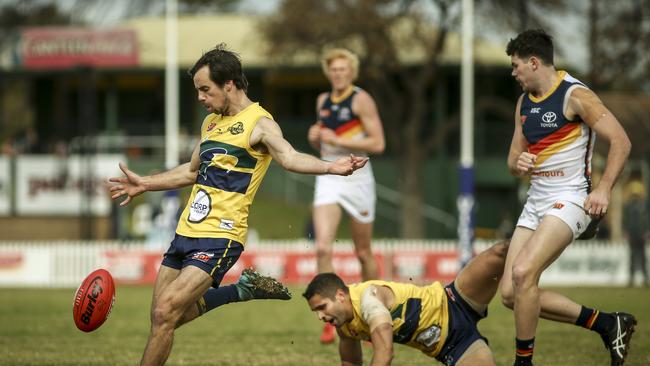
x,y
563,147
420,315
230,172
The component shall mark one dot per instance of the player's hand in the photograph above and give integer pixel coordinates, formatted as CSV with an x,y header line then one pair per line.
x,y
526,163
131,185
347,165
328,135
313,135
597,202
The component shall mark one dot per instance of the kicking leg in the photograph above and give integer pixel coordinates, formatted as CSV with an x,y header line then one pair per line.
x,y
251,286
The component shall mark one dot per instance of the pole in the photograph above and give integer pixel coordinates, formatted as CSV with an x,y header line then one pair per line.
x,y
465,199
171,84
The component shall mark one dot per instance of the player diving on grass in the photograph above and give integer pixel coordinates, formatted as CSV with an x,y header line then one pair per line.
x,y
438,320
238,140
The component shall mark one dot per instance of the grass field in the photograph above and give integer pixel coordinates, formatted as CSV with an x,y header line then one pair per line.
x,y
36,328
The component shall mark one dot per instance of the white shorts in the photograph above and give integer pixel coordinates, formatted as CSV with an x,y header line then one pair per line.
x,y
572,214
354,193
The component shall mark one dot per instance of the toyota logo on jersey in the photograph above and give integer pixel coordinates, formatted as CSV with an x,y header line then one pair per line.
x,y
549,117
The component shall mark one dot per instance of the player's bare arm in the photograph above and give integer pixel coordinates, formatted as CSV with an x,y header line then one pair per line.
x,y
374,142
374,311
586,104
520,161
349,350
268,134
132,184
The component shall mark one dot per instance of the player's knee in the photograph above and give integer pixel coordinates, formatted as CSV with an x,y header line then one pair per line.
x,y
523,276
164,315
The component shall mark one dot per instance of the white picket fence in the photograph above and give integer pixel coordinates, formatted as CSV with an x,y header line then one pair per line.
x,y
65,264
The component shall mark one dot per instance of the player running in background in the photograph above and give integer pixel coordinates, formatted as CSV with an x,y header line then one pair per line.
x,y
439,321
348,123
238,140
556,123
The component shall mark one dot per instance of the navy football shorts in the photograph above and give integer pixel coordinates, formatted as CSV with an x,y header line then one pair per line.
x,y
213,255
462,327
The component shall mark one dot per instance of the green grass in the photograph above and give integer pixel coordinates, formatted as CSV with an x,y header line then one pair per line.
x,y
36,328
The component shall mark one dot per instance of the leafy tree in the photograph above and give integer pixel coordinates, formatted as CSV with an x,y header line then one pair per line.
x,y
619,38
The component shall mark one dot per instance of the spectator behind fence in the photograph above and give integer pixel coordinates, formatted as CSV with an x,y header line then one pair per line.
x,y
635,224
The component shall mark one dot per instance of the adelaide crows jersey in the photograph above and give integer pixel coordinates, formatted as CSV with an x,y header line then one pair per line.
x,y
229,175
337,114
420,315
563,147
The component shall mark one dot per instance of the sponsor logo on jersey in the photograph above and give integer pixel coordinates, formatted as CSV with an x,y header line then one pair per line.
x,y
429,336
549,117
203,256
227,224
558,205
345,113
324,113
211,126
535,110
237,128
200,206
549,173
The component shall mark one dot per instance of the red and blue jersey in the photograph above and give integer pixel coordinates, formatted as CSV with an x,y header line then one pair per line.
x,y
563,147
336,114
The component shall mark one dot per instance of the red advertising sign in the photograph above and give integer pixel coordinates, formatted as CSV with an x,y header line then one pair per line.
x,y
297,267
57,47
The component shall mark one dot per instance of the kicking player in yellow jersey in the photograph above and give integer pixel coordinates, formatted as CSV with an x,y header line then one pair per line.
x,y
238,140
438,320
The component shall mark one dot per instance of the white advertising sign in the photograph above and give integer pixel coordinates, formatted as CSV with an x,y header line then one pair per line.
x,y
48,185
5,188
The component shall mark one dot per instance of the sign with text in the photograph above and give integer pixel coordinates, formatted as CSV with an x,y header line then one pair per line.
x,y
5,188
53,47
47,185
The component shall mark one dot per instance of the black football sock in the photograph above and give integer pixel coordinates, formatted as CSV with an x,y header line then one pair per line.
x,y
524,353
595,320
215,297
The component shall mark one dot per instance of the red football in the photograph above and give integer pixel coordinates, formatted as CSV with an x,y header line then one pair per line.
x,y
93,300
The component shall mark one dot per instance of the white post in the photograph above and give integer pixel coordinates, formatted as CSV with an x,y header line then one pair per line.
x,y
465,200
171,84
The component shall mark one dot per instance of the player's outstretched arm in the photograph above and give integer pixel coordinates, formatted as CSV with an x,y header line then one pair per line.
x,y
132,184
268,133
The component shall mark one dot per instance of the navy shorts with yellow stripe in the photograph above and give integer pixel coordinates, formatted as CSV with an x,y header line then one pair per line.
x,y
213,255
462,327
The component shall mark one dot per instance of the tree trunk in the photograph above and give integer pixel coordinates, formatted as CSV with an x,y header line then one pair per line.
x,y
411,187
